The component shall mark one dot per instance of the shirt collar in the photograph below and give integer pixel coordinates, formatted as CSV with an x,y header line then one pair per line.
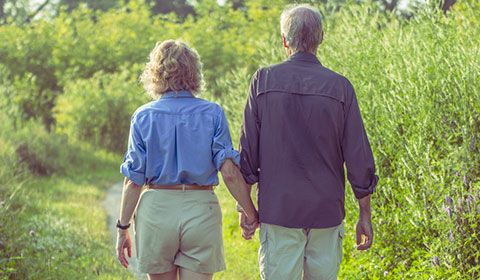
x,y
304,56
177,94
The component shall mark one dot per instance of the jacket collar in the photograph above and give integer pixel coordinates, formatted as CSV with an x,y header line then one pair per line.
x,y
304,56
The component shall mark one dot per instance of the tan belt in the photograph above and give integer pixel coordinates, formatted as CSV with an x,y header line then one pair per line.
x,y
183,187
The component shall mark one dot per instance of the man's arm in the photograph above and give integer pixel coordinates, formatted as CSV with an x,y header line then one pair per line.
x,y
364,227
249,152
360,166
356,149
249,138
239,189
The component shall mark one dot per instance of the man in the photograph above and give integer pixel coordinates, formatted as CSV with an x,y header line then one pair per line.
x,y
301,124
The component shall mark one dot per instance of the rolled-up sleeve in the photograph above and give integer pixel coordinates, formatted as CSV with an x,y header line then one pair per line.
x,y
222,147
249,164
357,152
133,166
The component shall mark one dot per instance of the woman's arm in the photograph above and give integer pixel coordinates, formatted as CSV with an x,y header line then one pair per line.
x,y
238,188
130,195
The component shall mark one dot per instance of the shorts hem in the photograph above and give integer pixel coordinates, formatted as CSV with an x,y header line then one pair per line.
x,y
200,269
154,268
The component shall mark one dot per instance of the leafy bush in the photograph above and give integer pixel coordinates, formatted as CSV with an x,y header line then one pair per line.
x,y
23,101
46,55
41,153
31,150
98,110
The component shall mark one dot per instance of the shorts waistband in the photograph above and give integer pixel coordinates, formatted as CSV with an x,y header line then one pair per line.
x,y
182,187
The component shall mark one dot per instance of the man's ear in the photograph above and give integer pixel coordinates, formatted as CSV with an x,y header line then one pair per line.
x,y
284,41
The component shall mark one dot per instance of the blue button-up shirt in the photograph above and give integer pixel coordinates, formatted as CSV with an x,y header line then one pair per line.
x,y
178,139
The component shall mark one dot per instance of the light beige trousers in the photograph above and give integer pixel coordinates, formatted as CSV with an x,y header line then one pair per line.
x,y
293,253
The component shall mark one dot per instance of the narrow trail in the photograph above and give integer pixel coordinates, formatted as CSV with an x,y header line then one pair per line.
x,y
112,206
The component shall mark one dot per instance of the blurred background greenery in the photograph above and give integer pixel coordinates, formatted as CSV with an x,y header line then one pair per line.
x,y
69,84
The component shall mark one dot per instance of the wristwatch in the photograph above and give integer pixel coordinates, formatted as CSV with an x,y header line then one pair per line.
x,y
120,226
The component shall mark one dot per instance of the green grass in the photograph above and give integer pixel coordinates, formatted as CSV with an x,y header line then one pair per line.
x,y
240,254
55,227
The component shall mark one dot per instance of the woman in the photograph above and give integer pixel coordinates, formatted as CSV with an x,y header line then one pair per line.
x,y
176,147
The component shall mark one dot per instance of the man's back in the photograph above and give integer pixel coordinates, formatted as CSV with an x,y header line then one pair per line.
x,y
301,123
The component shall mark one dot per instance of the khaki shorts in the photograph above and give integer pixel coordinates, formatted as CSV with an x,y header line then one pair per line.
x,y
289,253
179,228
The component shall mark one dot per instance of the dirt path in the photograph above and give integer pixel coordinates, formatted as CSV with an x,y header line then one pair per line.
x,y
112,206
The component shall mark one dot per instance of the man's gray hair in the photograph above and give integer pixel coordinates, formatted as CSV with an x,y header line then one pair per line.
x,y
302,27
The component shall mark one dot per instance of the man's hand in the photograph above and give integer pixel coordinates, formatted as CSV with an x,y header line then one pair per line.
x,y
364,225
248,225
123,242
364,234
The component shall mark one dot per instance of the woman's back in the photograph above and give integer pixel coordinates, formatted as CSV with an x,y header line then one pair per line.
x,y
177,139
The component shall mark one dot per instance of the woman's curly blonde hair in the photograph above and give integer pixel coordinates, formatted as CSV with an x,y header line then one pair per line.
x,y
172,65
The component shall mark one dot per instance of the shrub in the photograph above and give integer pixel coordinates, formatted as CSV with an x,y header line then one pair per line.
x,y
98,110
39,152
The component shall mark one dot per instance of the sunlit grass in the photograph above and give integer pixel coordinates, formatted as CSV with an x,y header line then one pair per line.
x,y
55,227
241,255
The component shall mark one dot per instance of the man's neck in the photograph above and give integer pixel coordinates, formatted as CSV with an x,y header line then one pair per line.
x,y
291,52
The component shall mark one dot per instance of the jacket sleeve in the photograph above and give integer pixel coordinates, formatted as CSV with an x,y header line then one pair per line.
x,y
356,149
249,139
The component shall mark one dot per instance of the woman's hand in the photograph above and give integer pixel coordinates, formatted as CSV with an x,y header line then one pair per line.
x,y
123,242
248,225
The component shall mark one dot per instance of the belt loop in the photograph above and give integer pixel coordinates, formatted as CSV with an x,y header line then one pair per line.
x,y
183,187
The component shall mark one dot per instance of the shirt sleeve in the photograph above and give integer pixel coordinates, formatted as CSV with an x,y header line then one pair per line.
x,y
222,147
133,166
357,152
249,164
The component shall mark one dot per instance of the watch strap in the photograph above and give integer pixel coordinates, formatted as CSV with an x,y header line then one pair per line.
x,y
120,226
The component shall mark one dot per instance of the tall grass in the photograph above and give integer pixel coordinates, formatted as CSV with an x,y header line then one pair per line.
x,y
418,87
52,225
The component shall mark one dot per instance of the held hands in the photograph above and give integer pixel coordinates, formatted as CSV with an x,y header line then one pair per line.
x,y
123,242
248,224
